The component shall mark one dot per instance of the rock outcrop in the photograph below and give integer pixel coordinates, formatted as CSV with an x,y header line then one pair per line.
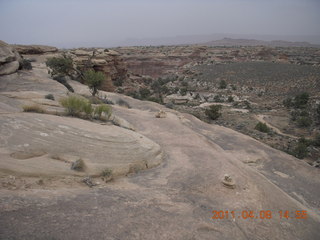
x,y
9,59
107,61
34,49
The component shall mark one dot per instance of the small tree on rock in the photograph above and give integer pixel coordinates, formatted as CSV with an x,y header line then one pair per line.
x,y
94,80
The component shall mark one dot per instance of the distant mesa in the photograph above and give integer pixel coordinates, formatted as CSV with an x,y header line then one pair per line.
x,y
230,42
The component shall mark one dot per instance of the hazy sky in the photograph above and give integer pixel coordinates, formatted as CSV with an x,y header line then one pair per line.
x,y
66,23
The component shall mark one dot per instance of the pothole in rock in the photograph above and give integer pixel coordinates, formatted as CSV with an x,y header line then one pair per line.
x,y
23,155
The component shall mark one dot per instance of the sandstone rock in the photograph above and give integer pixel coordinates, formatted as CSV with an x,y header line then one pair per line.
x,y
107,61
161,114
9,59
34,49
9,68
228,181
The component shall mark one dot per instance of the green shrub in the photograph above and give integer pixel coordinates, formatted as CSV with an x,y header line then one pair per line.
x,y
103,111
222,84
25,64
144,93
304,121
316,141
107,173
49,96
262,127
60,65
75,106
213,112
93,80
78,165
218,98
230,99
33,108
288,102
301,100
183,91
301,149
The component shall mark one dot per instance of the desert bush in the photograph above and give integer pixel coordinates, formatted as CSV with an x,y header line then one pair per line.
x,y
213,112
288,102
103,112
247,104
218,98
183,91
76,106
230,99
93,80
301,149
25,64
49,96
316,141
60,66
123,103
301,100
304,121
33,108
107,174
78,165
155,99
262,127
222,84
144,93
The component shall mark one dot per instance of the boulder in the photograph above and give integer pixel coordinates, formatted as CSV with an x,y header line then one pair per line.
x,y
9,59
9,68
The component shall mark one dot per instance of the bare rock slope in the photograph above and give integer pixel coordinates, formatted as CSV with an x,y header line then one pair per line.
x,y
175,200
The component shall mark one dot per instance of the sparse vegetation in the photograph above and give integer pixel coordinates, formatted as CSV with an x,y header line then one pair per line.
x,y
262,127
33,108
103,112
76,106
213,112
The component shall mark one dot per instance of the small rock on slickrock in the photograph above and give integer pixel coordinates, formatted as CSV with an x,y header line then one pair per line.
x,y
161,114
228,181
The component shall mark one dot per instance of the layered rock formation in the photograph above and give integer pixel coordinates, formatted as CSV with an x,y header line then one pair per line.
x,y
9,59
107,61
34,49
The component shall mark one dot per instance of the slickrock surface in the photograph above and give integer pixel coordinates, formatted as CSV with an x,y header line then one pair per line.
x,y
172,201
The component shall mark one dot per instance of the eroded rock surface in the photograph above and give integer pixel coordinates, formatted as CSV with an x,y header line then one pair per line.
x,y
9,59
176,200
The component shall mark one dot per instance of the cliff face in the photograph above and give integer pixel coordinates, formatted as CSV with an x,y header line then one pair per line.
x,y
107,61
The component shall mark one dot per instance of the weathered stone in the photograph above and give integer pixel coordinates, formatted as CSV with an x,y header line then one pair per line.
x,y
161,114
9,68
34,49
